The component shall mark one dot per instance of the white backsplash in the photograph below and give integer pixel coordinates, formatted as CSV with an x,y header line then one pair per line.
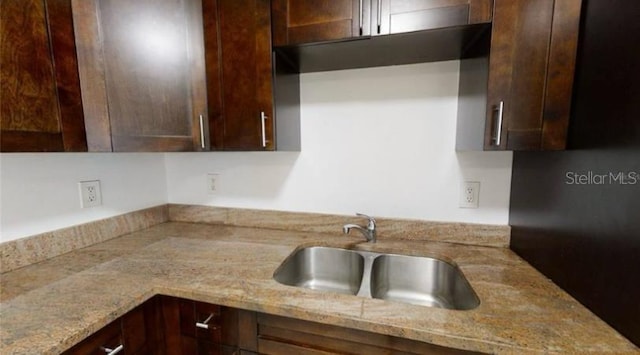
x,y
378,141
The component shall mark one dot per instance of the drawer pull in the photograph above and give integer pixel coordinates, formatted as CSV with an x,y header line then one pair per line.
x,y
112,351
202,142
263,118
497,133
205,324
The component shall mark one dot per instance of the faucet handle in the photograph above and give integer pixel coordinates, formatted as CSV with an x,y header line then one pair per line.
x,y
372,221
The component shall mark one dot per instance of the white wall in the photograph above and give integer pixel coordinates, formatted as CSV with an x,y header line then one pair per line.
x,y
378,141
39,192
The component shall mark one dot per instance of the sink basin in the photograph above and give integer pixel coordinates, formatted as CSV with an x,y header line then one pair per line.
x,y
320,268
410,279
424,281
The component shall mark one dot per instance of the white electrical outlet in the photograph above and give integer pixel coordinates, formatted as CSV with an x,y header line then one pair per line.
x,y
213,180
470,194
90,195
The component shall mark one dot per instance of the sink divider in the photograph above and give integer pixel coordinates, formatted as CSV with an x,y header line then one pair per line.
x,y
365,284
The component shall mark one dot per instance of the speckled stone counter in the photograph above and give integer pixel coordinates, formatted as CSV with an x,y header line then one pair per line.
x,y
48,307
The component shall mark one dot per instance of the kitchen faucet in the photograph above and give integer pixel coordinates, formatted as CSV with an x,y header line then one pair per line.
x,y
369,232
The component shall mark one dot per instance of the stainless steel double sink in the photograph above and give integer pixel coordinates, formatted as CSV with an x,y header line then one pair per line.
x,y
410,279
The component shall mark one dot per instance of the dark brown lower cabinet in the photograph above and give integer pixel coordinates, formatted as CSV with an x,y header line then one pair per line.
x,y
281,335
175,326
192,328
134,333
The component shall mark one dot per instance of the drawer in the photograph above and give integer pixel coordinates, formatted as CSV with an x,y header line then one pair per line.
x,y
200,320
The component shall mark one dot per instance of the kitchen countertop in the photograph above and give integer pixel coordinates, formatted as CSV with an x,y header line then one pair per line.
x,y
47,307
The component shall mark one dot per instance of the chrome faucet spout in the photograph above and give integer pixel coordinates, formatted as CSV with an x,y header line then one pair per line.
x,y
369,232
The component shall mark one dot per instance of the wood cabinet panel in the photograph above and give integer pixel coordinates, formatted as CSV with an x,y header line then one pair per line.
x,y
247,331
282,335
167,325
221,335
526,74
40,108
60,17
399,16
134,331
529,73
394,32
308,21
141,330
138,332
517,68
142,45
27,68
560,70
213,67
142,69
241,58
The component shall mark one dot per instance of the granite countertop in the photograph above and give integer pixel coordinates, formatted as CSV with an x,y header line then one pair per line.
x,y
47,307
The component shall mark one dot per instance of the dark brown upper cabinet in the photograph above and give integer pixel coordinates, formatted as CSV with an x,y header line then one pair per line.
x,y
347,34
239,74
187,75
253,93
309,21
142,74
400,16
519,96
40,105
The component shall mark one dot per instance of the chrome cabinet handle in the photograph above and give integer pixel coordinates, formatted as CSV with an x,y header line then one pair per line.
x,y
361,17
112,351
205,324
497,132
202,143
379,15
263,118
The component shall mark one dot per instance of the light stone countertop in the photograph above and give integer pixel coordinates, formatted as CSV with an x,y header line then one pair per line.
x,y
48,307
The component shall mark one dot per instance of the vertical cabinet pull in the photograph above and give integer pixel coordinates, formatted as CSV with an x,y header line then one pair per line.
x,y
263,119
497,127
205,324
202,142
361,17
109,351
379,15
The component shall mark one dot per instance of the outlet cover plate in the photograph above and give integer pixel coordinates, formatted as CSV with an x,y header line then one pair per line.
x,y
90,194
469,194
213,182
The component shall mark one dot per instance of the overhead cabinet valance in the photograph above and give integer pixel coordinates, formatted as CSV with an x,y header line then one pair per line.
x,y
343,34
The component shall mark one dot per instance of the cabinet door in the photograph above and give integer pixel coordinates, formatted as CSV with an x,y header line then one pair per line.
x,y
41,107
137,332
531,66
308,21
240,80
142,74
141,329
398,16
